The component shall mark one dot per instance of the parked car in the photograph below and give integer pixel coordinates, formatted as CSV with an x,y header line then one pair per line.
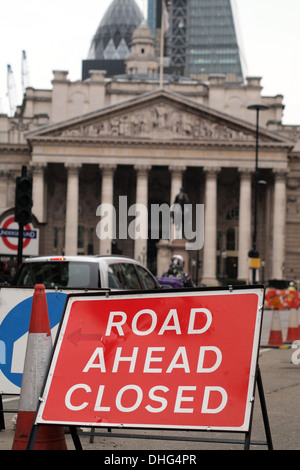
x,y
85,272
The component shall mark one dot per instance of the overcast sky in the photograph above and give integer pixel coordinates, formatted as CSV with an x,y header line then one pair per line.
x,y
56,35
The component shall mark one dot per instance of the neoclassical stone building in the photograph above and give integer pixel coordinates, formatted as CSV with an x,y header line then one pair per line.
x,y
96,141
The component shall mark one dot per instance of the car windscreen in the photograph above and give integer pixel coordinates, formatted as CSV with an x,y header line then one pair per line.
x,y
62,274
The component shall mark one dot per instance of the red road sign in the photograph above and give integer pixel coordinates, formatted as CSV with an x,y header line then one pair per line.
x,y
182,360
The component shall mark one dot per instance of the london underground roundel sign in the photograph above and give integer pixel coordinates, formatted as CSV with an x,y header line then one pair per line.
x,y
9,232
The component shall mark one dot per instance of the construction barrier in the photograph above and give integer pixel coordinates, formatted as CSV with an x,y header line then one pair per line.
x,y
275,338
293,327
38,352
281,298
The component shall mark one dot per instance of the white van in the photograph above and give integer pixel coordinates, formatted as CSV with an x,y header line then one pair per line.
x,y
85,272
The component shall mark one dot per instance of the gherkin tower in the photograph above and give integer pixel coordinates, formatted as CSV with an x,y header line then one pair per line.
x,y
111,43
113,36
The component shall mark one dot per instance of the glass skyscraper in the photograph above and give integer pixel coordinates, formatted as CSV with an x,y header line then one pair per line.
x,y
111,44
202,38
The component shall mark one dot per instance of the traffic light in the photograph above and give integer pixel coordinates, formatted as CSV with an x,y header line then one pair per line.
x,y
23,201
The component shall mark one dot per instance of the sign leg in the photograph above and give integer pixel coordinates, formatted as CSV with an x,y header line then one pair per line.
x,y
2,422
32,437
75,438
264,409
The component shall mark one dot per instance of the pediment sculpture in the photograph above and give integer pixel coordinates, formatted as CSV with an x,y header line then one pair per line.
x,y
160,121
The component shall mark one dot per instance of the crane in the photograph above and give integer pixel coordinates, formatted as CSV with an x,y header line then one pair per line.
x,y
11,90
25,72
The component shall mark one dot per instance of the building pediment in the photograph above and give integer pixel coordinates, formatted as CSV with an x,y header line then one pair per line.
x,y
156,117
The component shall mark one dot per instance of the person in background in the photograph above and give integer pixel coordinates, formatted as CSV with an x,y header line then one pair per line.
x,y
4,272
176,271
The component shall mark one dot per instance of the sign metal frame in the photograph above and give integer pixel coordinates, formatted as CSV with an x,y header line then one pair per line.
x,y
254,373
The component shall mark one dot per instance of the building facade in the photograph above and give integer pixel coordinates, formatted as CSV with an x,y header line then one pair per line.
x,y
123,142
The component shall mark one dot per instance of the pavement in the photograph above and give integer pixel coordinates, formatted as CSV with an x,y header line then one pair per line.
x,y
280,372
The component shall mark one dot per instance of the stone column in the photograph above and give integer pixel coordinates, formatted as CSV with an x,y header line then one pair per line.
x,y
71,234
210,228
244,223
279,223
141,215
106,234
4,177
38,190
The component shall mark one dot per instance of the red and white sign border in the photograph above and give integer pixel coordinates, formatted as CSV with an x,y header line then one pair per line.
x,y
258,290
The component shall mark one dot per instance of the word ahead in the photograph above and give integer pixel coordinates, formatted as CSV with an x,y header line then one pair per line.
x,y
183,360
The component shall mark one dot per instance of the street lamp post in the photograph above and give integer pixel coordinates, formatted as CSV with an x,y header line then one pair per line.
x,y
253,253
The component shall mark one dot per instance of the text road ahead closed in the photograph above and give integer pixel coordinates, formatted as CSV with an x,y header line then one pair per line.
x,y
169,360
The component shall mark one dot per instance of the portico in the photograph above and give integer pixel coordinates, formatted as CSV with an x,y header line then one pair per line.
x,y
147,148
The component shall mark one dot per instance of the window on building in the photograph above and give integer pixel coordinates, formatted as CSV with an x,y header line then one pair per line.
x,y
231,239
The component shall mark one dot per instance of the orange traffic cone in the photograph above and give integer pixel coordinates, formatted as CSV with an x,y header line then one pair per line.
x,y
293,327
275,338
39,346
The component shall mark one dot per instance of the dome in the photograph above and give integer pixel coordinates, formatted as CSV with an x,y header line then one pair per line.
x,y
142,59
113,36
142,32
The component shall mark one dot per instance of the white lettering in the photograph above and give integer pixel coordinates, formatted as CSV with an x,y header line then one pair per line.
x,y
206,397
130,397
180,399
137,402
119,358
150,359
172,314
98,365
69,394
180,360
171,322
151,327
98,406
191,330
161,400
181,351
202,352
116,324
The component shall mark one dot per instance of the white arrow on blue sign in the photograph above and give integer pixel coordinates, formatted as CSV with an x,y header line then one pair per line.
x,y
14,330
